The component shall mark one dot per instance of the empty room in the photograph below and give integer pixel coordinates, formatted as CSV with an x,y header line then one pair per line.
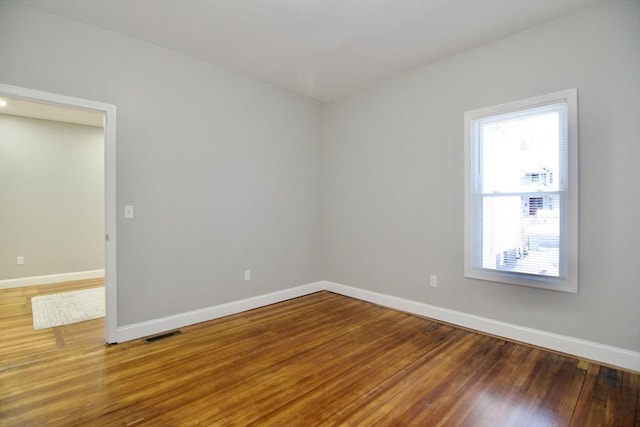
x,y
320,212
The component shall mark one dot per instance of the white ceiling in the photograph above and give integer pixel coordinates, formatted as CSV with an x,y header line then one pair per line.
x,y
323,49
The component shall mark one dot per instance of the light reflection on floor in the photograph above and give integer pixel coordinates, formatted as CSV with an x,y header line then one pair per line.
x,y
495,409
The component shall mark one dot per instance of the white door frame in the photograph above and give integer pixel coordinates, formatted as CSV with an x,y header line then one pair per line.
x,y
109,111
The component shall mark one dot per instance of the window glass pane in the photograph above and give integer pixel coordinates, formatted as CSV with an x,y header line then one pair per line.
x,y
514,240
521,153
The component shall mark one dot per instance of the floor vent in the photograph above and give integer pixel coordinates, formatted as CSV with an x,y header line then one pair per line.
x,y
159,337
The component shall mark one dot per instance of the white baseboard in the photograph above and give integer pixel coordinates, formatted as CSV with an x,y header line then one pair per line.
x,y
597,352
156,326
50,278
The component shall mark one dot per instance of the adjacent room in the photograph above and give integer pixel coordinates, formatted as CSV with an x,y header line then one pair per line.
x,y
321,213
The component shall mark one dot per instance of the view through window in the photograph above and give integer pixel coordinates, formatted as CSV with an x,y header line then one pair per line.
x,y
520,200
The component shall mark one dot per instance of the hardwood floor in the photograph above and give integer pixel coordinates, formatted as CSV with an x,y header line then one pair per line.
x,y
322,359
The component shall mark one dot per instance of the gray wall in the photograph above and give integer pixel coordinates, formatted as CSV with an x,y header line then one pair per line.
x,y
394,176
51,197
223,170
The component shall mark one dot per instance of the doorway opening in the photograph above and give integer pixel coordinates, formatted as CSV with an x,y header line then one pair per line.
x,y
81,107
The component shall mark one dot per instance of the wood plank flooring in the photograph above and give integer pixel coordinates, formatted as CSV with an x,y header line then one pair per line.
x,y
322,359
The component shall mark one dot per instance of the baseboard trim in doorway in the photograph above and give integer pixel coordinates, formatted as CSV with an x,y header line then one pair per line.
x,y
50,278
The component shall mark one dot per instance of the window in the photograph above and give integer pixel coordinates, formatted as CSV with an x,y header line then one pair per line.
x,y
521,219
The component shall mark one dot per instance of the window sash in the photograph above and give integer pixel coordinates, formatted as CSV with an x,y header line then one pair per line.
x,y
478,250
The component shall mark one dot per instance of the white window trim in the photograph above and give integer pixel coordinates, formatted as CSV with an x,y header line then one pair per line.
x,y
570,229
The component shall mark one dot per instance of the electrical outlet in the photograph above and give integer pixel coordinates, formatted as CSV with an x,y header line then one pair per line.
x,y
247,275
433,281
20,260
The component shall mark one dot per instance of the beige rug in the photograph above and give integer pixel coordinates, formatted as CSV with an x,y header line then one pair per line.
x,y
67,307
